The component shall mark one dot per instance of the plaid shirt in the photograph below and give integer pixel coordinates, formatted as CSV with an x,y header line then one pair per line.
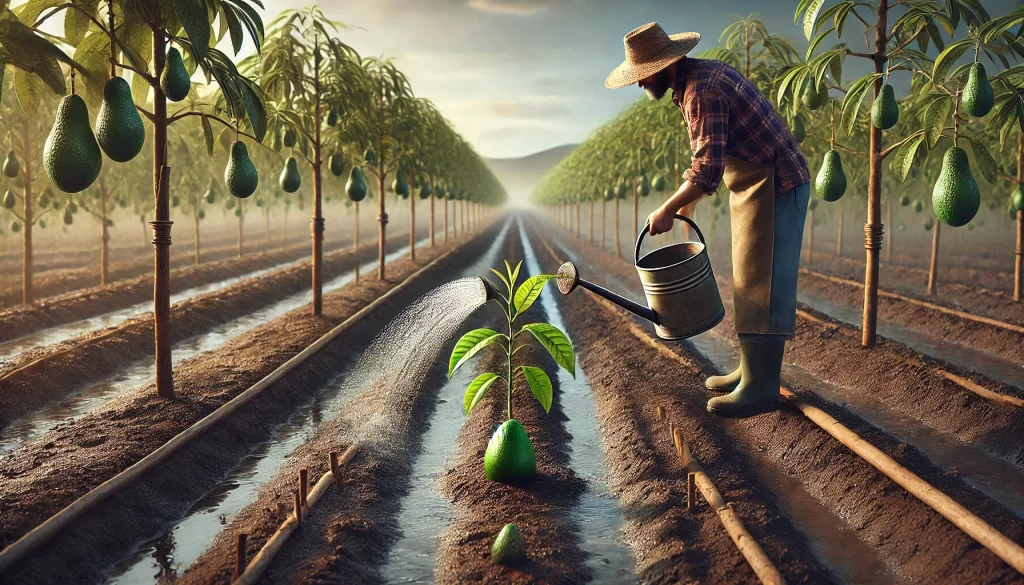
x,y
728,115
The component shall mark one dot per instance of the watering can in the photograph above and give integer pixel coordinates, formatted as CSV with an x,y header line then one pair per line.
x,y
678,282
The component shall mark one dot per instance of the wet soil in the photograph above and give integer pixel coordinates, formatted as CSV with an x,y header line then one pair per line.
x,y
38,480
915,542
67,367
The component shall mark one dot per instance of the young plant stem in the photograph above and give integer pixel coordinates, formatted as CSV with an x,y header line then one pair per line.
x,y
508,350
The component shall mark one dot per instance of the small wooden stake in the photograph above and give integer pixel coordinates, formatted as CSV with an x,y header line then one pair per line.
x,y
691,491
334,454
297,505
240,561
661,413
682,449
303,486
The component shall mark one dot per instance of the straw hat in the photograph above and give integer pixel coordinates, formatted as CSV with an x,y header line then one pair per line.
x,y
648,51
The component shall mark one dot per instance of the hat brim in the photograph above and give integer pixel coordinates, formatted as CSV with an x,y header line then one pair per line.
x,y
629,73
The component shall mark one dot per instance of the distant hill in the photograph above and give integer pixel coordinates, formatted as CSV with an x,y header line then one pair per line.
x,y
521,175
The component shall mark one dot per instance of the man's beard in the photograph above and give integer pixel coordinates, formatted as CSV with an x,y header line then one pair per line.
x,y
660,86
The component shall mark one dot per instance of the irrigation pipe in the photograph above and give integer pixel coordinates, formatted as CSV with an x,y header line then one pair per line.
x,y
926,304
75,510
262,560
747,545
1004,548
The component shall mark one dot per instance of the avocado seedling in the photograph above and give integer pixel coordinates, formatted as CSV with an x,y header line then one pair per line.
x,y
509,548
510,457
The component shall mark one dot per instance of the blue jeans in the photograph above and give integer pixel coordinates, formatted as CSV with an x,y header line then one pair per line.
x,y
790,216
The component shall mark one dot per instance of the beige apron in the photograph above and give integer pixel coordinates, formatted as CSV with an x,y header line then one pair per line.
x,y
752,216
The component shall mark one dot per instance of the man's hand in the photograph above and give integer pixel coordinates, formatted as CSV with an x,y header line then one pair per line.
x,y
661,220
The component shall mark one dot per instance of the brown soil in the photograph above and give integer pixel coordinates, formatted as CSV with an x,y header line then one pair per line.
x,y
914,541
38,480
70,366
897,377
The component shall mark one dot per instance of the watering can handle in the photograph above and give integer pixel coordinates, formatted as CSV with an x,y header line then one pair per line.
x,y
647,226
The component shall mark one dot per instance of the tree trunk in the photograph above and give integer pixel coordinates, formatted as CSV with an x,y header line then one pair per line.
x,y
104,245
145,232
839,230
618,250
636,204
195,238
892,232
266,225
1018,265
604,212
933,267
873,228
161,226
432,224
444,202
241,221
355,242
27,295
590,222
578,232
317,224
382,219
412,224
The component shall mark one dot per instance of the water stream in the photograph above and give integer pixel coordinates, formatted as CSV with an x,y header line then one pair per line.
x,y
178,546
35,425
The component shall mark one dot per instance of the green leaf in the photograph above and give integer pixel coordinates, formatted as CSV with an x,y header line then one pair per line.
x,y
76,24
29,89
948,57
935,118
905,155
556,343
140,89
529,291
987,166
811,17
207,134
196,23
515,273
476,390
540,385
853,99
503,278
471,344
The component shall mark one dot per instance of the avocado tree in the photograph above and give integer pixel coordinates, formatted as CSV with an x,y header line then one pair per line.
x,y
1008,120
311,78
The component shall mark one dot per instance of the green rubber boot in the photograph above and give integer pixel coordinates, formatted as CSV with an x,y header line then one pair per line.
x,y
758,389
727,382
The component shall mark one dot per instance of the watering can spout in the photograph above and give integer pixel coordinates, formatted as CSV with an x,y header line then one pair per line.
x,y
569,278
490,292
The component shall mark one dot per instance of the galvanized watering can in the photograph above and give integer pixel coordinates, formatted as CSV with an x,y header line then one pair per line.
x,y
678,282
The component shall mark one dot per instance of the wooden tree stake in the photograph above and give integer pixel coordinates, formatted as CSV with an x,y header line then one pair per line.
x,y
240,561
661,413
297,505
303,486
691,488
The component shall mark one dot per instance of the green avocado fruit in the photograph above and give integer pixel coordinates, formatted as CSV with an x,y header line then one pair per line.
x,y
622,190
509,548
1018,199
291,137
904,201
609,194
11,166
425,190
956,198
355,188
978,97
659,183
929,223
811,95
9,200
370,156
831,180
336,163
290,178
175,201
42,224
400,186
644,186
174,80
119,128
510,457
15,227
73,206
885,112
332,117
240,175
798,130
71,155
69,216
918,206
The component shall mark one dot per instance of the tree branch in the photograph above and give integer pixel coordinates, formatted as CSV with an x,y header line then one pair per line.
x,y
886,152
149,115
39,21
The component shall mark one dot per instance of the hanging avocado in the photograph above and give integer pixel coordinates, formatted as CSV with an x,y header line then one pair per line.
x,y
885,112
332,117
71,156
644,188
238,212
799,132
956,198
15,227
336,162
904,201
355,188
659,183
9,199
44,199
229,204
11,166
119,129
42,224
290,179
609,194
370,156
929,223
400,186
918,206
174,81
69,216
290,137
202,214
73,206
978,97
1017,200
211,193
811,95
277,146
175,201
240,175
831,180
621,190
425,190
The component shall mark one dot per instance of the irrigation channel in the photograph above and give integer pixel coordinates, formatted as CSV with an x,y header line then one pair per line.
x,y
838,544
35,425
177,547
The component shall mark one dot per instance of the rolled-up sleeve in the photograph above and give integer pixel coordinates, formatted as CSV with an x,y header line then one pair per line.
x,y
707,115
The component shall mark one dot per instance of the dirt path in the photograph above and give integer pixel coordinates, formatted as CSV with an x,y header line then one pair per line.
x,y
38,480
916,543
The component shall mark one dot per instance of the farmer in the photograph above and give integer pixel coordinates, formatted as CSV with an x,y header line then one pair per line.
x,y
736,136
